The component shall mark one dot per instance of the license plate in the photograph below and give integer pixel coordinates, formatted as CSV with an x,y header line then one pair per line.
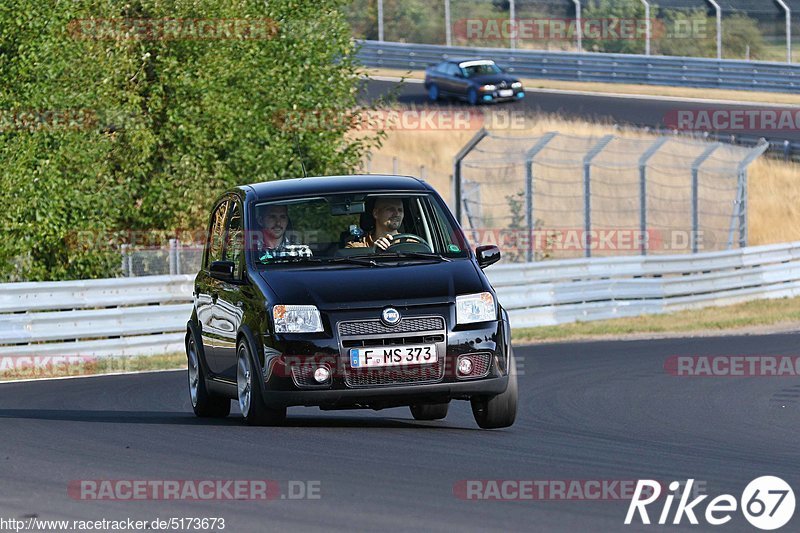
x,y
506,92
418,354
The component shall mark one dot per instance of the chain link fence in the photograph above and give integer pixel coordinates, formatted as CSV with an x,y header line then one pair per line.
x,y
751,29
178,259
563,196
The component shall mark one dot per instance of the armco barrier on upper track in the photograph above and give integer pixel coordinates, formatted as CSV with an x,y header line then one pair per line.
x,y
147,315
598,67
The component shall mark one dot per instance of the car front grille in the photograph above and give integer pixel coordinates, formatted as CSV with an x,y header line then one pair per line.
x,y
376,327
375,377
410,330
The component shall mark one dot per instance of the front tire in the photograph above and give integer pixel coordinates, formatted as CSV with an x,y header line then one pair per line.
x,y
472,96
251,402
433,92
429,411
499,411
204,404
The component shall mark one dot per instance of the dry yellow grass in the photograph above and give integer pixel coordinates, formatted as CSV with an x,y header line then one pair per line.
x,y
773,191
622,88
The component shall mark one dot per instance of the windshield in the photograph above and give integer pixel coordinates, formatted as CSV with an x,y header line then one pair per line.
x,y
480,69
348,228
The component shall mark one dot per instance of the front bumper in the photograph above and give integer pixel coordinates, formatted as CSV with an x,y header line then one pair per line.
x,y
285,355
494,96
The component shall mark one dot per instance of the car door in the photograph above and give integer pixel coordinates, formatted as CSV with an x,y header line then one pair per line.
x,y
229,307
460,84
207,287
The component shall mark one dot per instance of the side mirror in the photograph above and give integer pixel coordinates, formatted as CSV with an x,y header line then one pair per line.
x,y
459,75
222,270
487,255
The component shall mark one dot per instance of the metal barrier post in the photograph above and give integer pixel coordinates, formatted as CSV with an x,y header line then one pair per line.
x,y
457,169
740,208
695,181
587,192
124,267
788,12
447,28
529,157
650,152
173,262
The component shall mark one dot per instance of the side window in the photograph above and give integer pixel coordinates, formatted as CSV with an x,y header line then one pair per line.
x,y
216,234
234,242
442,68
452,69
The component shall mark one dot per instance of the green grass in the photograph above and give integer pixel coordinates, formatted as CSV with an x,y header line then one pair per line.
x,y
708,320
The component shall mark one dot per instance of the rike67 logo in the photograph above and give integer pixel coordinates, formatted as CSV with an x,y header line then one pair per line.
x,y
767,503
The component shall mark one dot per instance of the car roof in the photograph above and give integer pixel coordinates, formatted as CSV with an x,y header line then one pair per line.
x,y
322,185
459,60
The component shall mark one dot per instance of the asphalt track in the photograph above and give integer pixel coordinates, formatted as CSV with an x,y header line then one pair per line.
x,y
588,411
624,110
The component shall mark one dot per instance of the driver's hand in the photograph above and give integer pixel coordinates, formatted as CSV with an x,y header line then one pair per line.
x,y
384,242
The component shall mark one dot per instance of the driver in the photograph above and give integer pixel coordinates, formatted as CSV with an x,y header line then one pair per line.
x,y
388,216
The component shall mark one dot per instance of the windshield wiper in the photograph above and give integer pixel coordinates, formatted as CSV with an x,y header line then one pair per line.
x,y
415,255
354,260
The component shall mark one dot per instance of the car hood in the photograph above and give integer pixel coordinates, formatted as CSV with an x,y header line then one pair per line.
x,y
353,287
493,79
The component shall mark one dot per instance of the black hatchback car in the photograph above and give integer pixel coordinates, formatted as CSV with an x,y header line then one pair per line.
x,y
346,292
474,80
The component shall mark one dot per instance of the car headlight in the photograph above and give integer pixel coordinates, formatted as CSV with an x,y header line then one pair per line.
x,y
516,85
489,88
297,319
475,308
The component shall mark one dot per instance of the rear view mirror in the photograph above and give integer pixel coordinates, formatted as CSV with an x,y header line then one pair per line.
x,y
355,207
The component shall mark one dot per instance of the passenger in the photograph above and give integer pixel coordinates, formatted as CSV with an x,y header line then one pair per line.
x,y
275,238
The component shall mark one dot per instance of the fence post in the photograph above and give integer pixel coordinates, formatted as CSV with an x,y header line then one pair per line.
x,y
448,30
457,169
173,260
529,157
395,166
650,152
740,207
124,267
587,192
695,182
380,20
423,173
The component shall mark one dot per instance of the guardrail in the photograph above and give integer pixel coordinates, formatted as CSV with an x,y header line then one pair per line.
x,y
598,67
559,292
141,316
121,316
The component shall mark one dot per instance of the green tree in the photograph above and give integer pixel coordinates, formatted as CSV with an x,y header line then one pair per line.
x,y
614,39
171,123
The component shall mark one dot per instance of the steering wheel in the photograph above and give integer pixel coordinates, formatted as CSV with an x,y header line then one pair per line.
x,y
404,240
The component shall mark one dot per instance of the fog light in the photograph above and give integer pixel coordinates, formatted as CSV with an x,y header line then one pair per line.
x,y
464,366
322,374
487,97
